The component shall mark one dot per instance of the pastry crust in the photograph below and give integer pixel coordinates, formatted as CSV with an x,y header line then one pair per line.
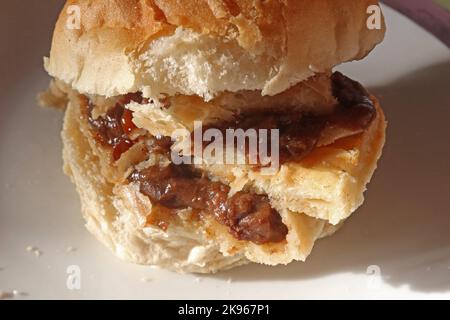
x,y
327,185
205,47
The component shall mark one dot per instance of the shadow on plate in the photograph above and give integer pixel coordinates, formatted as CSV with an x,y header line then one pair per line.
x,y
404,226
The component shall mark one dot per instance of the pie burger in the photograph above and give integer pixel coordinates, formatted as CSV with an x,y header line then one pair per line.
x,y
135,78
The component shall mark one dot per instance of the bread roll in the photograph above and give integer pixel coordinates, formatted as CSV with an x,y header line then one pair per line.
x,y
131,73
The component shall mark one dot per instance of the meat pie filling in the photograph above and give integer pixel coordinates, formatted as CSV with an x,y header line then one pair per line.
x,y
114,128
247,215
299,132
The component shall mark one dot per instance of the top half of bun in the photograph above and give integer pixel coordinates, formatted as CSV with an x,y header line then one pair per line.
x,y
203,47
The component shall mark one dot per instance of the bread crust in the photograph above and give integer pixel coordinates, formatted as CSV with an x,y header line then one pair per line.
x,y
122,46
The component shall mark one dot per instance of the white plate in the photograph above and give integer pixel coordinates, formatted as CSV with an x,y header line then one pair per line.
x,y
403,229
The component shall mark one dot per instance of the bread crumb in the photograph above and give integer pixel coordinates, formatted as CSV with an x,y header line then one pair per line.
x,y
197,280
11,294
70,249
229,281
34,250
6,295
18,293
146,279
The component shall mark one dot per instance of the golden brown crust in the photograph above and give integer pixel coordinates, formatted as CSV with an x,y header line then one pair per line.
x,y
292,38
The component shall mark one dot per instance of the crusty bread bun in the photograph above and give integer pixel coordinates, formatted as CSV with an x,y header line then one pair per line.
x,y
205,47
329,184
130,73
